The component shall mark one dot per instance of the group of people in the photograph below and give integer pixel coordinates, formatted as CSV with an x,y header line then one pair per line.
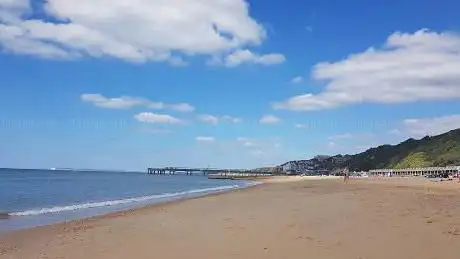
x,y
346,177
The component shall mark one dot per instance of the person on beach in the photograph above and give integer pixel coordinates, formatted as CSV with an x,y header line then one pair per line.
x,y
346,178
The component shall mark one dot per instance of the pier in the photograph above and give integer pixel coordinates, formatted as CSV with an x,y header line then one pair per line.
x,y
212,173
239,176
425,171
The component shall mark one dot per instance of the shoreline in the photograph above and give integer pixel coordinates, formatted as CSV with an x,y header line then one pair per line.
x,y
126,212
251,183
244,223
255,182
112,211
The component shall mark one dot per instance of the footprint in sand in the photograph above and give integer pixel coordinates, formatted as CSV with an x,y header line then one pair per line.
x,y
454,232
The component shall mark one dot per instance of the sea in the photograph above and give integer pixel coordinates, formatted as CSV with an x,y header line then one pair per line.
x,y
31,198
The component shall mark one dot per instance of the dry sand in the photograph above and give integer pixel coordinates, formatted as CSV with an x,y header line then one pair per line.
x,y
372,218
285,179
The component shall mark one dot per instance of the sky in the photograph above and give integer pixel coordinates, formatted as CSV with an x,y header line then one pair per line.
x,y
115,84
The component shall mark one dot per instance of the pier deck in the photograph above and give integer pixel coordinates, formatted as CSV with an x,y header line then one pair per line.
x,y
212,173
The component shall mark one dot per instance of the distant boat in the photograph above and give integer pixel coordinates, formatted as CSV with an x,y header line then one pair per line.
x,y
52,168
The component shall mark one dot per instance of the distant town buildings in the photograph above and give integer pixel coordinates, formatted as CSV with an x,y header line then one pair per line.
x,y
316,166
298,166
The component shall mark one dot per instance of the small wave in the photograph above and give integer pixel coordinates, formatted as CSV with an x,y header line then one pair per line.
x,y
89,205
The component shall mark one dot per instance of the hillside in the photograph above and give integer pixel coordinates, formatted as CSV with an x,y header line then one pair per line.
x,y
441,150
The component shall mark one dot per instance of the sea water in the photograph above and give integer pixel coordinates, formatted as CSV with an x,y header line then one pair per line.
x,y
30,198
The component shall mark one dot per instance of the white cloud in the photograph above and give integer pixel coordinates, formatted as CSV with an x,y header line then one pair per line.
x,y
269,119
211,119
126,102
11,10
14,4
422,66
254,143
177,62
394,132
430,126
297,80
247,142
231,119
341,136
246,56
301,126
148,117
208,119
154,105
123,102
136,31
332,144
242,139
205,139
182,107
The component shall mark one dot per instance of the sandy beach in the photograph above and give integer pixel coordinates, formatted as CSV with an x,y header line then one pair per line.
x,y
284,218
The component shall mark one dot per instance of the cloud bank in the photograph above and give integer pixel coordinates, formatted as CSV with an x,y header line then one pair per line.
x,y
421,127
422,66
134,31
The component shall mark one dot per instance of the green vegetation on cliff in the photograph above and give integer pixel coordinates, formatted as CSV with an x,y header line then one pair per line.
x,y
441,150
418,159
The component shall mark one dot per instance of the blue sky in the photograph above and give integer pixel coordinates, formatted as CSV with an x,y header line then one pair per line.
x,y
221,83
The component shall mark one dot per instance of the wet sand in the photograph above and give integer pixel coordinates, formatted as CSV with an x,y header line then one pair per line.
x,y
285,218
